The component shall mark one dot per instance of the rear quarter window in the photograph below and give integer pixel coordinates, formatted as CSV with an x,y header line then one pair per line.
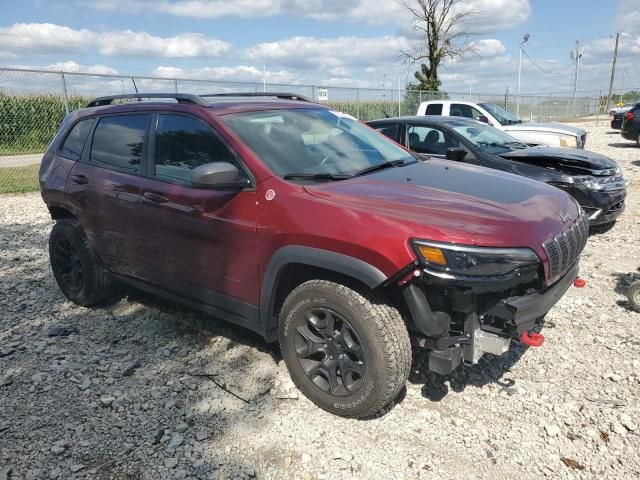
x,y
119,140
76,138
434,109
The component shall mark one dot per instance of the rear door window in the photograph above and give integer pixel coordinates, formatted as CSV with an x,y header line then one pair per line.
x,y
119,141
77,137
431,140
434,109
184,143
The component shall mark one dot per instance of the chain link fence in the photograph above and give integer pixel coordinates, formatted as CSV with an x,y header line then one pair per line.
x,y
34,102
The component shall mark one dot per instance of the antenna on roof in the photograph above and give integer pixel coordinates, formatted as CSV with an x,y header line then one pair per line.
x,y
134,84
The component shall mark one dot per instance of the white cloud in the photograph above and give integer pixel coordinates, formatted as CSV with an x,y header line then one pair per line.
x,y
489,47
628,16
492,15
52,38
71,67
5,54
321,53
236,74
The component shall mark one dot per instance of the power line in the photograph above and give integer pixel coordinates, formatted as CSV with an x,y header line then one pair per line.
x,y
544,70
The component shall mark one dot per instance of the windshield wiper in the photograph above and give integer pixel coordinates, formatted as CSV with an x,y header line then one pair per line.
x,y
494,144
315,176
516,144
381,166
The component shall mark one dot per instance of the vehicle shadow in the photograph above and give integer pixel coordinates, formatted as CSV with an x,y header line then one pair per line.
x,y
490,370
623,145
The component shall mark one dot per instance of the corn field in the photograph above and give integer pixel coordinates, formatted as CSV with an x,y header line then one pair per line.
x,y
27,124
34,102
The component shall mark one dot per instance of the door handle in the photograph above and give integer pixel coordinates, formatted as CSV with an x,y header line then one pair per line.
x,y
155,197
79,179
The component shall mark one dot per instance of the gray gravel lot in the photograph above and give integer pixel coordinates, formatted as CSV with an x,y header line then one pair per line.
x,y
141,389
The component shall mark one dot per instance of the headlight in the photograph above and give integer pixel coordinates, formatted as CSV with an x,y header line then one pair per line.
x,y
473,261
568,142
588,183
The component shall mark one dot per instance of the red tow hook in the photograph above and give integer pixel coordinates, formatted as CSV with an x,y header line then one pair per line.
x,y
579,282
532,339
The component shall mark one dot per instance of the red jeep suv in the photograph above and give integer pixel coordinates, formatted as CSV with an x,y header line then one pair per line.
x,y
302,224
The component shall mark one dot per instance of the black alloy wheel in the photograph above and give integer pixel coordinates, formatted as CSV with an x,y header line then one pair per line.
x,y
347,350
76,266
65,260
330,352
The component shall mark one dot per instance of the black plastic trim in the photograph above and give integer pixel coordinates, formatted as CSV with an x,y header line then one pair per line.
x,y
522,311
315,257
208,301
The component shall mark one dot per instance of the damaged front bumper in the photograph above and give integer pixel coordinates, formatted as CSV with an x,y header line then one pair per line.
x,y
461,319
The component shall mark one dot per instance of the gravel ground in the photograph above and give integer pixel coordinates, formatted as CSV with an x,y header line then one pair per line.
x,y
141,389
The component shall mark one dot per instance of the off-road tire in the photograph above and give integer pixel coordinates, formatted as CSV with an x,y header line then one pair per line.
x,y
96,286
633,294
382,335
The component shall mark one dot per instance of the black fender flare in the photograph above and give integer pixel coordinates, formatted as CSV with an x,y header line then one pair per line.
x,y
336,262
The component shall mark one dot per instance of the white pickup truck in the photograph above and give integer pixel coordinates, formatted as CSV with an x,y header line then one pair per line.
x,y
550,134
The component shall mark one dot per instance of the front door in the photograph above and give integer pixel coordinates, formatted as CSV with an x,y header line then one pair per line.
x,y
201,243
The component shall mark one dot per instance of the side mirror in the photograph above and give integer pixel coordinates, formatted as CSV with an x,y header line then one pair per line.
x,y
457,154
220,175
482,118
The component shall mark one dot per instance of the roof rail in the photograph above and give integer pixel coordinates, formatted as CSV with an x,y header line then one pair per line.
x,y
179,97
282,95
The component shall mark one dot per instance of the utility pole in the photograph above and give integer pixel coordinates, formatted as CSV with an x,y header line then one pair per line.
x,y
575,55
524,40
613,71
264,77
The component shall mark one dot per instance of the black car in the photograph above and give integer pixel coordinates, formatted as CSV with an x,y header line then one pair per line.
x,y
594,180
631,125
616,121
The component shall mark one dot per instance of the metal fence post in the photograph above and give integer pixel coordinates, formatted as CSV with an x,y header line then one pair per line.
x,y
175,85
548,107
65,99
598,108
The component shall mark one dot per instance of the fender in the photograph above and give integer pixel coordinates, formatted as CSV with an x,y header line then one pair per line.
x,y
336,262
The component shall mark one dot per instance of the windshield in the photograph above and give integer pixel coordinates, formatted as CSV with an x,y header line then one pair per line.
x,y
314,141
487,138
500,114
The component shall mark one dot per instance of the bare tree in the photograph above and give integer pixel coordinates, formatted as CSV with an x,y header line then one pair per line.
x,y
442,28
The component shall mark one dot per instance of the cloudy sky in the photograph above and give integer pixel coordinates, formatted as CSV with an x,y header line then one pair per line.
x,y
321,42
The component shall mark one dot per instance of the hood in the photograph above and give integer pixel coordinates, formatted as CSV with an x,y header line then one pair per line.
x,y
546,127
585,162
455,202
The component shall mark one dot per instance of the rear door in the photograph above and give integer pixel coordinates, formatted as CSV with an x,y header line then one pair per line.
x,y
105,188
200,243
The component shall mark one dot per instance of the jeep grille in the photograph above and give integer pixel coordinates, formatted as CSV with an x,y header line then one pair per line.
x,y
565,248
